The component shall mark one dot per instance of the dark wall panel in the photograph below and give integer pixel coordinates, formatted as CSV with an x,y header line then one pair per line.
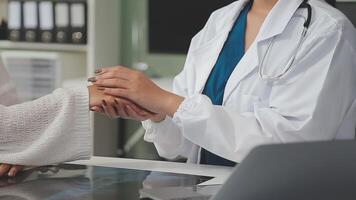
x,y
172,23
349,9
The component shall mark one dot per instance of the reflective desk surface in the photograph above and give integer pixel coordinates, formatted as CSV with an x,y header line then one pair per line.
x,y
112,178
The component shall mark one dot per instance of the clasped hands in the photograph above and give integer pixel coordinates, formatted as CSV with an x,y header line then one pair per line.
x,y
120,92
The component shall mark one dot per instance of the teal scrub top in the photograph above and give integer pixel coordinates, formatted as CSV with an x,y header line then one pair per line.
x,y
229,57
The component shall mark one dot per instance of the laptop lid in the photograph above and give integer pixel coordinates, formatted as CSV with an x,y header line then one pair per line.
x,y
308,171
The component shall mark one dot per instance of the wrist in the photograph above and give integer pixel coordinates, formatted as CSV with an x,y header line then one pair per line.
x,y
158,118
171,104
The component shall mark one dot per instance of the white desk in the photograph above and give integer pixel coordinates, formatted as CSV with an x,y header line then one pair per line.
x,y
220,174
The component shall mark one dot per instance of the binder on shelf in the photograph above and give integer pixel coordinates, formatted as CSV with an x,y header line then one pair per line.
x,y
30,21
15,23
62,21
78,25
46,21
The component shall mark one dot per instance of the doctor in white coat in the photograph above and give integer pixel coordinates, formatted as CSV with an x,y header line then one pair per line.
x,y
286,87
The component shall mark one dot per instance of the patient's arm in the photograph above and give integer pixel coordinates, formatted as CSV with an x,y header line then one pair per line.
x,y
49,130
8,136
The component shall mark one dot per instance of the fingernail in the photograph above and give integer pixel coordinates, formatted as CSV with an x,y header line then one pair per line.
x,y
92,79
98,71
116,110
104,102
11,174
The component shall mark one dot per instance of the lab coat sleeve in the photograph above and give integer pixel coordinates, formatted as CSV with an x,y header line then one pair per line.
x,y
166,135
310,108
49,130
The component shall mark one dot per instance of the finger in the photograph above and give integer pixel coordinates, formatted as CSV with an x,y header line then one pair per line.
x,y
120,105
112,83
116,110
133,114
109,110
118,92
141,111
113,111
101,71
105,108
115,72
4,169
136,108
97,109
15,170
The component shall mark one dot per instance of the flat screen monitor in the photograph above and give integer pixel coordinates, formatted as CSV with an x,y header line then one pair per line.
x,y
172,24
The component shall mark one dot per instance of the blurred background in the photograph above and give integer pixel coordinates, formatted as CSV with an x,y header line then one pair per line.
x,y
46,44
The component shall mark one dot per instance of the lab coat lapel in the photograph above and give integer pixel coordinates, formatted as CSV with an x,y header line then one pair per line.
x,y
278,19
205,56
274,24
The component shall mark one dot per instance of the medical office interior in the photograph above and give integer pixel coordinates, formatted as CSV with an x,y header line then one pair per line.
x,y
114,33
47,44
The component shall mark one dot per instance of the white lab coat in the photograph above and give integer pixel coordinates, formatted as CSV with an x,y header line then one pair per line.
x,y
312,102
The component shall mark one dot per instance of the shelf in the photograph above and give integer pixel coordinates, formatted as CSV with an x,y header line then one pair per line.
x,y
8,45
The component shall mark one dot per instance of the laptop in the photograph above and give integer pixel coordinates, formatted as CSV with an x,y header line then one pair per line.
x,y
305,171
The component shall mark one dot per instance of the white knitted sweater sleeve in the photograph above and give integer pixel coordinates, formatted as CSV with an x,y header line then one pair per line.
x,y
49,130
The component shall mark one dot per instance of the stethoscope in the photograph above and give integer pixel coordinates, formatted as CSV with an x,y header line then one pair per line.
x,y
306,25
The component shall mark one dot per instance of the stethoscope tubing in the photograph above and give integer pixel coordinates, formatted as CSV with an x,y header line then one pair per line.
x,y
290,63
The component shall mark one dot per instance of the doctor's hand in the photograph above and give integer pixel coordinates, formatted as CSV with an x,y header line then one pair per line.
x,y
114,107
10,170
135,86
124,109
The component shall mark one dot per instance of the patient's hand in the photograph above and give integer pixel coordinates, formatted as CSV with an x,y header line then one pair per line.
x,y
97,97
10,170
